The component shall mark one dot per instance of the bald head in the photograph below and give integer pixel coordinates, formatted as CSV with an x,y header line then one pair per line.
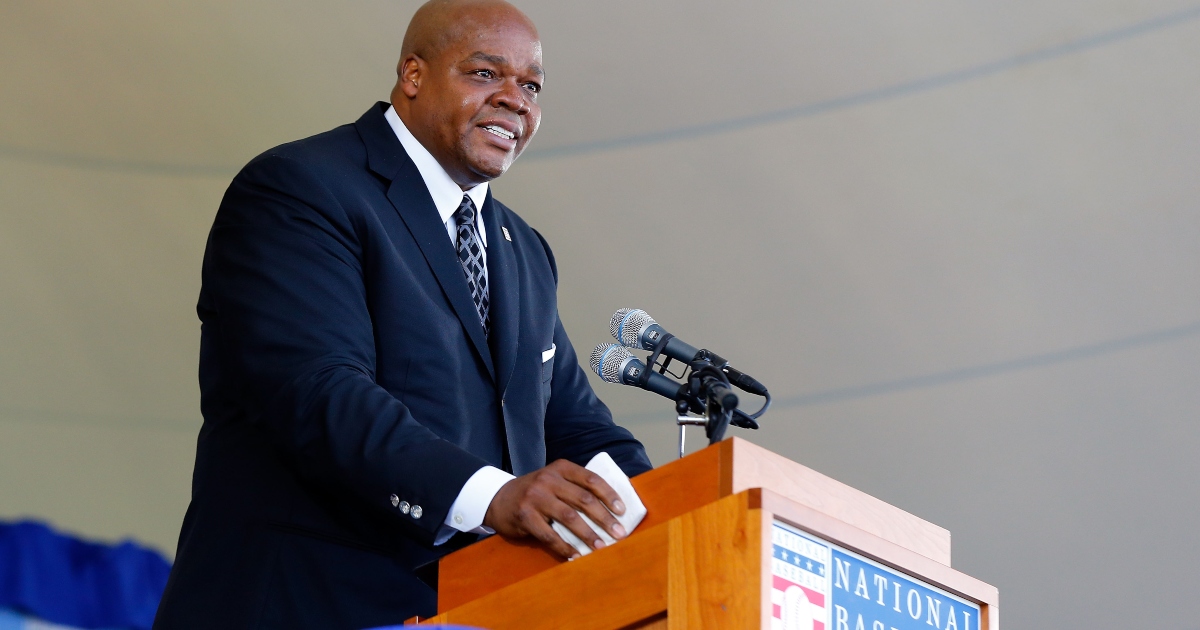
x,y
439,23
467,85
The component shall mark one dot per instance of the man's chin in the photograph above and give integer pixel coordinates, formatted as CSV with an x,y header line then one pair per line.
x,y
490,169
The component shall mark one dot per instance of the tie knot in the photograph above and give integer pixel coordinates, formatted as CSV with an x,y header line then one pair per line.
x,y
465,215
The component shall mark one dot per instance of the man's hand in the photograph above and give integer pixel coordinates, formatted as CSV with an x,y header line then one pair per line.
x,y
526,505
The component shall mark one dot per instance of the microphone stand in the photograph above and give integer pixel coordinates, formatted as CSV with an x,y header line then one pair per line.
x,y
707,392
709,389
683,420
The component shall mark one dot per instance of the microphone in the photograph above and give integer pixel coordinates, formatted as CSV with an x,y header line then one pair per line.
x,y
615,364
634,328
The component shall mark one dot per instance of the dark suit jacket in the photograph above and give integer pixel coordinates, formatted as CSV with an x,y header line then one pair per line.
x,y
342,361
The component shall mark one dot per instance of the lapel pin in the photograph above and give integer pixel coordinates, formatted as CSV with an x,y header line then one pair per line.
x,y
506,236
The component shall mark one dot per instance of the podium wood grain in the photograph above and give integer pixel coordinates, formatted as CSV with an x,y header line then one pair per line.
x,y
681,486
673,490
694,571
594,592
715,565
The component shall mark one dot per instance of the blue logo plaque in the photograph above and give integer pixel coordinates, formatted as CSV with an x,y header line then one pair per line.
x,y
817,585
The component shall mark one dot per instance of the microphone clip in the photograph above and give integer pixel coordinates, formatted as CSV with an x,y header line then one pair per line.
x,y
708,392
652,361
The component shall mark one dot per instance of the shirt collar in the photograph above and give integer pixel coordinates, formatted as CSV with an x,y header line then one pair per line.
x,y
446,194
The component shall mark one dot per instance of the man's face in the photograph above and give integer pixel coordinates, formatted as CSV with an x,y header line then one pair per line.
x,y
478,99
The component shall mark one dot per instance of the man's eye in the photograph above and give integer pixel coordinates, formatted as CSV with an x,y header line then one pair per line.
x,y
487,74
533,87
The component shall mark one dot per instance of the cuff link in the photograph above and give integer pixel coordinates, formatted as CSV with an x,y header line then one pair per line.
x,y
417,511
395,500
404,507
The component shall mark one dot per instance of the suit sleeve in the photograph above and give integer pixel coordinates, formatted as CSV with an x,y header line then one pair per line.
x,y
578,424
283,287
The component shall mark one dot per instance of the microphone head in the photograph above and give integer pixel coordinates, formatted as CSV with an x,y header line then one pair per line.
x,y
628,324
608,360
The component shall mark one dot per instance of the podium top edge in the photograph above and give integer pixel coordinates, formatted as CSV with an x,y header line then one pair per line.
x,y
745,465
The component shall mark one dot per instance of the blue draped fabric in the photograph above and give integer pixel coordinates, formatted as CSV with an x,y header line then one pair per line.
x,y
10,620
68,581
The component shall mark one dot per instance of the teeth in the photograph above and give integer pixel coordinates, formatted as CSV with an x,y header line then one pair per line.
x,y
503,133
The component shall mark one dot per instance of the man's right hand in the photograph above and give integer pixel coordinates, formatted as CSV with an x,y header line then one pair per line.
x,y
526,505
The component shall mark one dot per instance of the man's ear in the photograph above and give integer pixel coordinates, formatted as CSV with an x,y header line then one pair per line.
x,y
409,72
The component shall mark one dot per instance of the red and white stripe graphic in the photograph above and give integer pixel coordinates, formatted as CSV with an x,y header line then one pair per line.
x,y
794,607
799,580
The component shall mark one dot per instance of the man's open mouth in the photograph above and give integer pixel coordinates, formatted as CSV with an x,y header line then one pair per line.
x,y
500,131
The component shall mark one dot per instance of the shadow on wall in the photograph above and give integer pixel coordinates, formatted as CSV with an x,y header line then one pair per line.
x,y
63,580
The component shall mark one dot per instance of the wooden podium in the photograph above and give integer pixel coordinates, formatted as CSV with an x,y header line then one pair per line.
x,y
735,537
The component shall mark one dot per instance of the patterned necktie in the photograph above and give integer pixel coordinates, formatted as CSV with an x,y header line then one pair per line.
x,y
470,254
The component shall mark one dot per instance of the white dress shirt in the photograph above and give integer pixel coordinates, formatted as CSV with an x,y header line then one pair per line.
x,y
467,511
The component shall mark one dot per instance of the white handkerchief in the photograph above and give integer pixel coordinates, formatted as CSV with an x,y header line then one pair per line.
x,y
635,510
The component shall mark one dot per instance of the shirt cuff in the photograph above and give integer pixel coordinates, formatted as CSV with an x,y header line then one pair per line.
x,y
467,512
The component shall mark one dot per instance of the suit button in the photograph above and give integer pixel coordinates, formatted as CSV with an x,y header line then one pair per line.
x,y
417,511
395,500
403,507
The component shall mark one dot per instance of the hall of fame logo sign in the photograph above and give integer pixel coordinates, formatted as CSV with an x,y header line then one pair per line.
x,y
816,585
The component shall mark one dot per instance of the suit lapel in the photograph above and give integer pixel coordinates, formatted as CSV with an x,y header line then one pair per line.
x,y
410,196
504,291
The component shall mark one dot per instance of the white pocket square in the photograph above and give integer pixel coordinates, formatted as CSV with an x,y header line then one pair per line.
x,y
548,354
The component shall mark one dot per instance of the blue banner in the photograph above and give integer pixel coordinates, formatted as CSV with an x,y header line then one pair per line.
x,y
817,585
64,580
868,596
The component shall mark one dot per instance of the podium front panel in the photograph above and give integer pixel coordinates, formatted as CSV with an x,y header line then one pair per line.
x,y
853,571
818,585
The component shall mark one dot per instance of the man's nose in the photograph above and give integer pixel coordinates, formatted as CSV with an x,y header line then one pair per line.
x,y
511,96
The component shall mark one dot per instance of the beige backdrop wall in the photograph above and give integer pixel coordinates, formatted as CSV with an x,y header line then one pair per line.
x,y
957,239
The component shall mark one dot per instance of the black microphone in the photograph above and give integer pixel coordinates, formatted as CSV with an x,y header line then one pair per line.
x,y
615,364
634,328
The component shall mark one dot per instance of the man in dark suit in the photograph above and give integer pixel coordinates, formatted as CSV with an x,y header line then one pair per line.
x,y
383,372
